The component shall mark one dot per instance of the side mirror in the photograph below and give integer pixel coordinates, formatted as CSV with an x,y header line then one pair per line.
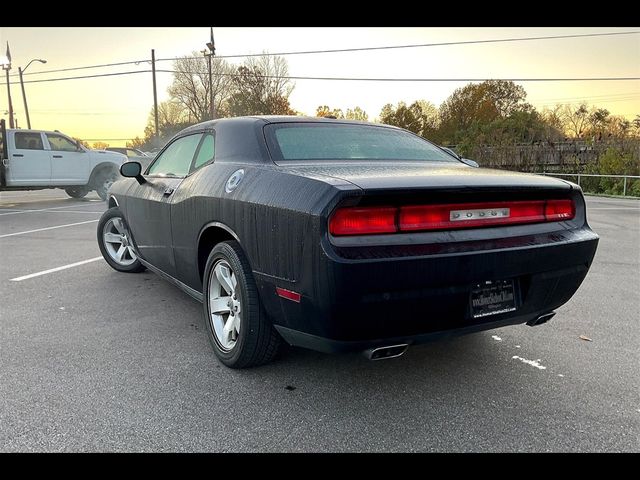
x,y
471,163
132,170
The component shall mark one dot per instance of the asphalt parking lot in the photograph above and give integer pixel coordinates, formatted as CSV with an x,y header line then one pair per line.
x,y
95,360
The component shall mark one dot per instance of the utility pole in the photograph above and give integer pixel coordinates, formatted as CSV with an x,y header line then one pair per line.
x,y
211,112
6,67
155,95
212,52
24,98
11,125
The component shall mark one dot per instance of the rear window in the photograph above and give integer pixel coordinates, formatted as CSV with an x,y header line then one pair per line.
x,y
340,141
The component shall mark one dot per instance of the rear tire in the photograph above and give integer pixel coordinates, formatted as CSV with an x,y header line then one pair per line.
x,y
240,333
103,181
77,192
114,240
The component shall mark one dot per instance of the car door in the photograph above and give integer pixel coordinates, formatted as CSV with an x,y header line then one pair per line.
x,y
29,164
70,164
181,227
148,205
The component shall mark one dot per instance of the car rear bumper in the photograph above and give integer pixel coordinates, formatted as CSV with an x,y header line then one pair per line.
x,y
328,345
356,304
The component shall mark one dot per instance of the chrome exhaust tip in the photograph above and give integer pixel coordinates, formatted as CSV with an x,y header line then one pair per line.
x,y
544,318
384,353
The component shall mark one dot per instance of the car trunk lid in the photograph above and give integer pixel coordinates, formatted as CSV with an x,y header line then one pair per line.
x,y
392,176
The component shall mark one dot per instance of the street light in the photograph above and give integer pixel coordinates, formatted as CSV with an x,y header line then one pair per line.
x,y
24,96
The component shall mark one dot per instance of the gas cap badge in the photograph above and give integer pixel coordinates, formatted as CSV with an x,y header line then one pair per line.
x,y
234,180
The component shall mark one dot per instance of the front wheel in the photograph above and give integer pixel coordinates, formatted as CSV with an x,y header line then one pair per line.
x,y
103,181
238,328
114,240
77,192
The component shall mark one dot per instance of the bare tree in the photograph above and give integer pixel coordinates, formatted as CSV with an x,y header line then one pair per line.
x,y
190,87
575,119
276,74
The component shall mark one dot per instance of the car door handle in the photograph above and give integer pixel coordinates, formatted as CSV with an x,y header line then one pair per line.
x,y
18,155
57,156
168,191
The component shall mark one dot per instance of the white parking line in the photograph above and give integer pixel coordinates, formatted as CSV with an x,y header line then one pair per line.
x,y
46,228
16,211
57,269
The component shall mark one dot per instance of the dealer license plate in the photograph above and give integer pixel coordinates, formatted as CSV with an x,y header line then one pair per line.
x,y
492,298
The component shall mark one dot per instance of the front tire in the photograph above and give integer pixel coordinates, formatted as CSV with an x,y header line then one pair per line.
x,y
103,181
238,328
114,240
77,192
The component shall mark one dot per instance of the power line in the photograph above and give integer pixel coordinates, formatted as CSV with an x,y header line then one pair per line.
x,y
371,79
59,79
40,72
347,79
343,50
419,45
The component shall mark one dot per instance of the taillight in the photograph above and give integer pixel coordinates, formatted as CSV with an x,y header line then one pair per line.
x,y
363,221
411,218
557,210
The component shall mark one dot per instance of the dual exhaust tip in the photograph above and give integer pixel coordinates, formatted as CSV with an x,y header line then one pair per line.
x,y
395,351
544,318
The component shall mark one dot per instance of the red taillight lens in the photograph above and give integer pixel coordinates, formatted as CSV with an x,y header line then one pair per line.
x,y
468,215
411,218
558,210
363,221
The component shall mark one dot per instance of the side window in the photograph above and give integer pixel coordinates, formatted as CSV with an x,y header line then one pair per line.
x,y
28,141
176,159
61,144
206,152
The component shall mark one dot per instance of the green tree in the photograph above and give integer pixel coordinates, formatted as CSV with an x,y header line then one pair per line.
x,y
357,114
636,125
479,103
325,111
421,117
99,145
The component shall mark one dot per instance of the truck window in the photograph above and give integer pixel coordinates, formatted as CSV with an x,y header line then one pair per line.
x,y
60,143
28,141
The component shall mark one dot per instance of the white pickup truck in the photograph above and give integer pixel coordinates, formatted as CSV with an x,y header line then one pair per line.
x,y
36,159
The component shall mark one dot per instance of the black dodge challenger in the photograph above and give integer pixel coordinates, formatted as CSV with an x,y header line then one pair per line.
x,y
344,236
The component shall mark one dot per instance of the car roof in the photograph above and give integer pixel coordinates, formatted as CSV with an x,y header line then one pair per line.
x,y
267,119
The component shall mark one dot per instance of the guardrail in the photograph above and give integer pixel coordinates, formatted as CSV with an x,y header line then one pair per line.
x,y
624,177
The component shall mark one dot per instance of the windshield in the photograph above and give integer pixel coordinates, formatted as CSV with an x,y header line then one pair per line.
x,y
341,141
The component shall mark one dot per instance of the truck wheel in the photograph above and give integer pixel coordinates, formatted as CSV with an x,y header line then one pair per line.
x,y
238,328
77,192
103,181
114,241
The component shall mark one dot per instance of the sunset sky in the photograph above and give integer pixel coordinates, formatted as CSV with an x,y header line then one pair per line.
x,y
116,108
